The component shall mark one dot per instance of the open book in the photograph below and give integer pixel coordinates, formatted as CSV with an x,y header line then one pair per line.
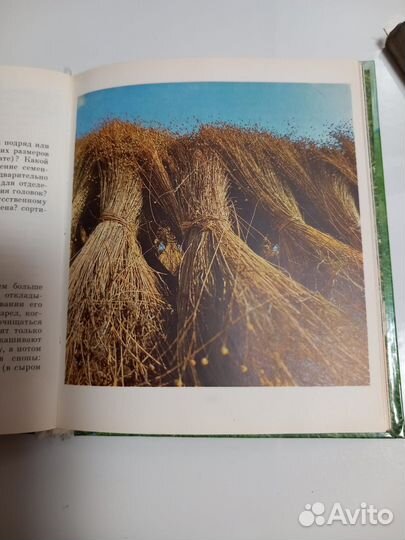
x,y
195,247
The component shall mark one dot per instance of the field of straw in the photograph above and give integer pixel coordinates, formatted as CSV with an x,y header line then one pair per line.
x,y
228,257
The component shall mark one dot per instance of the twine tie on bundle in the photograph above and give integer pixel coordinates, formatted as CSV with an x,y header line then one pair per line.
x,y
106,216
203,223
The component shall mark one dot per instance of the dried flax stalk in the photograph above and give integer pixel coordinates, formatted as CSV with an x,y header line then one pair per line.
x,y
334,189
117,308
316,259
241,320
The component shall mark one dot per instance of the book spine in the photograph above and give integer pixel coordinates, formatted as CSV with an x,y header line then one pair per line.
x,y
386,284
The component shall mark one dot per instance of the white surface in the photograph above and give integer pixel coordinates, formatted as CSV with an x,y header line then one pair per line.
x,y
154,488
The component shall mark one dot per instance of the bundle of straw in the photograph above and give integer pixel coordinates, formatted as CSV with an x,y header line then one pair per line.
x,y
322,179
342,156
261,166
333,191
241,320
117,308
85,187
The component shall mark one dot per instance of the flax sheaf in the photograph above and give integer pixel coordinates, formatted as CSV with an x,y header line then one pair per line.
x,y
264,169
241,320
117,305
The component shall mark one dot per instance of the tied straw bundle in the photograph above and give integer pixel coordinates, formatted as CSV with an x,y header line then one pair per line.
x,y
342,156
85,185
261,166
332,173
116,301
321,178
241,320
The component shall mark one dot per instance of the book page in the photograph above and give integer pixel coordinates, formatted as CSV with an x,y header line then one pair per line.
x,y
223,267
35,143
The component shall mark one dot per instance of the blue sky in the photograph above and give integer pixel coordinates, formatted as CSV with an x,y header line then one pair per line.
x,y
294,109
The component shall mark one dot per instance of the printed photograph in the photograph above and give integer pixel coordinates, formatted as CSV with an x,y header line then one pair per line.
x,y
215,238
